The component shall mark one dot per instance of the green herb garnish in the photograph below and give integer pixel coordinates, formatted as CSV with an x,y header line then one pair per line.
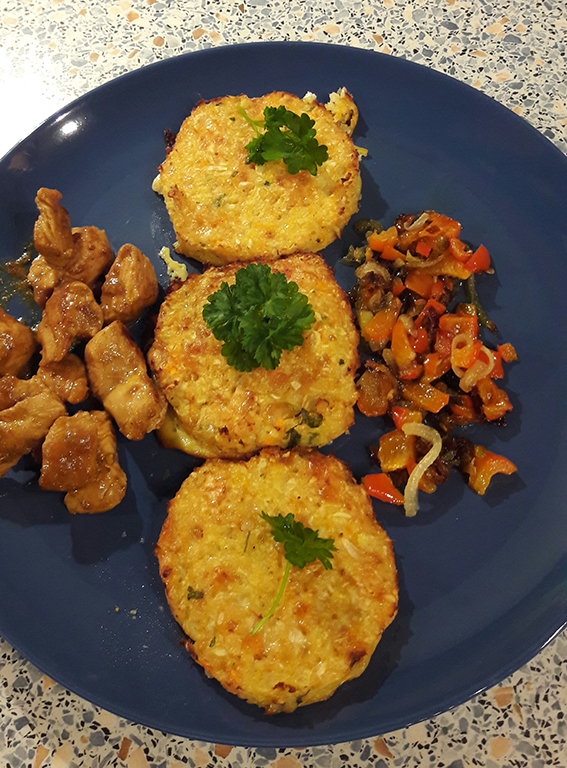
x,y
288,137
194,594
258,317
473,298
301,546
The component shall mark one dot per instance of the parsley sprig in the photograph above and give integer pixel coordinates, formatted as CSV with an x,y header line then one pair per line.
x,y
258,317
288,137
301,546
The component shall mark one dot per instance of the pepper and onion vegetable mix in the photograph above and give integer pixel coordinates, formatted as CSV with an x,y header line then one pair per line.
x,y
427,366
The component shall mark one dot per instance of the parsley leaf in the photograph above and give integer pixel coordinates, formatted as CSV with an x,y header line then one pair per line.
x,y
301,546
258,317
288,137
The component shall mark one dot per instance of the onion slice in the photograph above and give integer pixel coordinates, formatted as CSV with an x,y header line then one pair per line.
x,y
431,436
465,340
420,222
478,370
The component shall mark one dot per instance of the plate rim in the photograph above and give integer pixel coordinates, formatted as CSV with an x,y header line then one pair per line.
x,y
537,646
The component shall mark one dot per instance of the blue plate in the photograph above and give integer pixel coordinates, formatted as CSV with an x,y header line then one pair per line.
x,y
483,579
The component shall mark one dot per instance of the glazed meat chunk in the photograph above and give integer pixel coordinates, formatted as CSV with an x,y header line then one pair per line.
x,y
69,453
65,254
80,457
70,313
52,233
12,390
92,255
67,378
43,280
130,286
17,345
119,378
29,408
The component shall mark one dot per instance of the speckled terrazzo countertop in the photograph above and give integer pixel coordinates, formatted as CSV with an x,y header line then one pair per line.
x,y
54,50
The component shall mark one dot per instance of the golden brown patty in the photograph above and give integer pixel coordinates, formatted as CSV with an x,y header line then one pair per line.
x,y
222,570
224,209
221,412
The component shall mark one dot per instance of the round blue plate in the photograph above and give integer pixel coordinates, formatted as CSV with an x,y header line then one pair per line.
x,y
483,580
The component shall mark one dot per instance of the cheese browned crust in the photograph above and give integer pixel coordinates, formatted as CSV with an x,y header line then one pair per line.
x,y
225,209
222,570
218,411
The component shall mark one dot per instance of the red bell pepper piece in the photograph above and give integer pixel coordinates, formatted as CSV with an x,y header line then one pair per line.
x,y
495,402
484,466
479,261
381,487
403,415
458,249
420,343
422,248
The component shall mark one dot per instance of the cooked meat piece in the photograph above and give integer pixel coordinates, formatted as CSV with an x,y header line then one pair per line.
x,y
12,390
119,378
130,286
17,345
43,280
67,378
92,256
25,421
69,453
52,233
108,486
71,313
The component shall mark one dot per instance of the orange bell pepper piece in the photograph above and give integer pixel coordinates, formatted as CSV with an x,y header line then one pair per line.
x,y
448,265
396,450
402,349
507,352
434,366
397,286
412,371
457,323
380,327
463,410
484,466
425,396
379,240
418,283
391,254
459,250
444,225
497,372
439,287
432,304
464,357
495,402
381,487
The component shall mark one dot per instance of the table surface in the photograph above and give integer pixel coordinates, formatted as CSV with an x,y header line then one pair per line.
x,y
52,51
